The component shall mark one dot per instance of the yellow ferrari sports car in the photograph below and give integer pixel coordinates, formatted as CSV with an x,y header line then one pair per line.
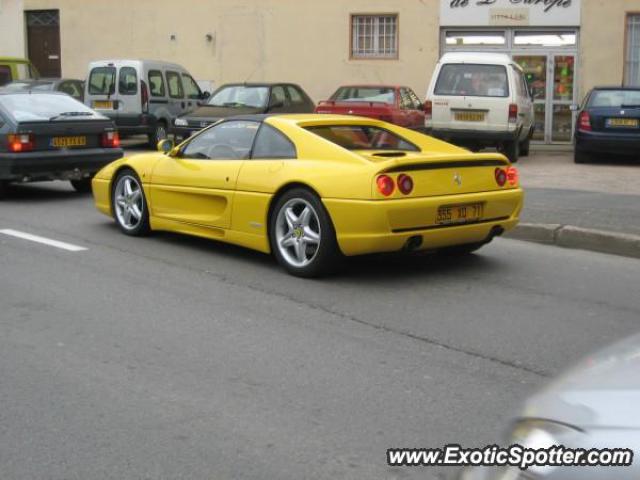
x,y
312,188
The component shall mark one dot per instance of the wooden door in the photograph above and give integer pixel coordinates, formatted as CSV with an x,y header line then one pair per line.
x,y
43,39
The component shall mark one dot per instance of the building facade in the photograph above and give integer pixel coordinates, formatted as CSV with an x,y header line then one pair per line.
x,y
565,46
12,41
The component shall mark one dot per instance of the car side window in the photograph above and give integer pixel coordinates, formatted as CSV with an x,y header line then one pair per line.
x,y
175,85
156,83
406,103
279,98
270,143
71,88
128,81
417,104
191,87
295,95
230,140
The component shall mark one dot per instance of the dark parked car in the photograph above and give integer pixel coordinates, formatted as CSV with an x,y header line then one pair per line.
x,y
70,86
389,103
608,124
244,99
51,136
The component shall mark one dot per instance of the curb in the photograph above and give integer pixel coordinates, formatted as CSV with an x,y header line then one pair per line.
x,y
568,236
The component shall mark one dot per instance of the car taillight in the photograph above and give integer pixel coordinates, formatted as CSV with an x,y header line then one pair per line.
x,y
21,142
428,110
405,184
513,176
584,122
110,140
501,177
144,96
385,185
513,113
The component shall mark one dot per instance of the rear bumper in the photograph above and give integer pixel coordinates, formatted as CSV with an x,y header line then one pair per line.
x,y
133,123
387,225
471,136
55,165
598,142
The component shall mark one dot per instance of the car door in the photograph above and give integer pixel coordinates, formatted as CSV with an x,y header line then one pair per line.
x,y
192,92
197,185
177,104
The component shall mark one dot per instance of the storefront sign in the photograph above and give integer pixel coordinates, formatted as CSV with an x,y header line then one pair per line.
x,y
539,13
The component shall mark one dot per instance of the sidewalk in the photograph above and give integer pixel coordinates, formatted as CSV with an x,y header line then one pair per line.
x,y
602,200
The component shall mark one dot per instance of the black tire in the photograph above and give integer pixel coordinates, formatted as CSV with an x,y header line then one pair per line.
x,y
326,255
581,157
81,186
512,151
524,147
4,189
141,227
159,133
461,250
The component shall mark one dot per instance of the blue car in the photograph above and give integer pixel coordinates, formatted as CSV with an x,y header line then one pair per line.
x,y
608,124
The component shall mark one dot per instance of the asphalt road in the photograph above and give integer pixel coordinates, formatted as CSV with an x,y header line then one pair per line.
x,y
177,358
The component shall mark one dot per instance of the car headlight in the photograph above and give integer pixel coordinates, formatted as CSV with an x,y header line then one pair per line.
x,y
181,122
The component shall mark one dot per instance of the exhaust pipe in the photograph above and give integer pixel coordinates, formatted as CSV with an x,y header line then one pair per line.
x,y
414,243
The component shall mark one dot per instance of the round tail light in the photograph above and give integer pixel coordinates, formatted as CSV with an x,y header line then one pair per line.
x,y
501,177
513,176
405,184
385,185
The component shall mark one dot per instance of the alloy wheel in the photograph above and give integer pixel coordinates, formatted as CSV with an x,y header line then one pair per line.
x,y
128,202
297,232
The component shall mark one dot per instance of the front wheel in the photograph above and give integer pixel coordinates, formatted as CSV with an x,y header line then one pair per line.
x,y
82,186
302,236
129,204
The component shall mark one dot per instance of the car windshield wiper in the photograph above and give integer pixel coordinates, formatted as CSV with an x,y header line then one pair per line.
x,y
71,114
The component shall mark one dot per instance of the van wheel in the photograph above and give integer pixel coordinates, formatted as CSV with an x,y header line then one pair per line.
x,y
524,148
159,133
512,150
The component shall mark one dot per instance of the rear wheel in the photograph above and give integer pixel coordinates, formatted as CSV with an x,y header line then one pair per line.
x,y
159,133
129,204
524,147
581,157
512,150
82,186
302,236
4,187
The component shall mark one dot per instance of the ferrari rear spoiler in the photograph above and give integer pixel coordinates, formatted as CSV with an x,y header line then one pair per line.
x,y
413,163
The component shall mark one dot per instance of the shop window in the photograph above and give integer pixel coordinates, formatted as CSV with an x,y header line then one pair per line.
x,y
632,60
467,39
545,39
374,36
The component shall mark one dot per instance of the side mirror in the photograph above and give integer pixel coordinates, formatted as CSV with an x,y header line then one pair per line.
x,y
574,107
165,146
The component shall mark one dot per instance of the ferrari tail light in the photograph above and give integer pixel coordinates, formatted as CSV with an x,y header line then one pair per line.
x,y
513,113
584,122
21,142
385,185
144,96
405,184
110,140
501,176
428,110
513,176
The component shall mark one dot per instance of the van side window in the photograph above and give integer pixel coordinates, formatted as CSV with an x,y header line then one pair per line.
x,y
175,85
156,83
128,81
191,87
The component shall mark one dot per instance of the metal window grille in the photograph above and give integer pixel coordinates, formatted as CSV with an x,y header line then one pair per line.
x,y
43,18
374,36
632,63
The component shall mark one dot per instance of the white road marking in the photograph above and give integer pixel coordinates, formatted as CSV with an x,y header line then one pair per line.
x,y
46,241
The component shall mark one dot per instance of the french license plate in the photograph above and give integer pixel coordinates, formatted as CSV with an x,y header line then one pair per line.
x,y
104,105
622,122
469,116
456,214
68,142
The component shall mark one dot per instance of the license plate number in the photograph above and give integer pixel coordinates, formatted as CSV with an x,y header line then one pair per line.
x,y
104,105
469,116
67,142
455,214
622,122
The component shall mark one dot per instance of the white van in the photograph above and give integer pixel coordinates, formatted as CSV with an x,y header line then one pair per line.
x,y
481,100
141,96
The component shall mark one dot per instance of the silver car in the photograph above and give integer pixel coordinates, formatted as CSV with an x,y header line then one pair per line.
x,y
594,405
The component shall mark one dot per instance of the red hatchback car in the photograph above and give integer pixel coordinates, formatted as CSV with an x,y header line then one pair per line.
x,y
390,103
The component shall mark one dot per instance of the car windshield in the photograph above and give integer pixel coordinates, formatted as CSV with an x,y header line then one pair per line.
x,y
473,81
364,94
363,137
615,98
102,81
42,107
240,96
